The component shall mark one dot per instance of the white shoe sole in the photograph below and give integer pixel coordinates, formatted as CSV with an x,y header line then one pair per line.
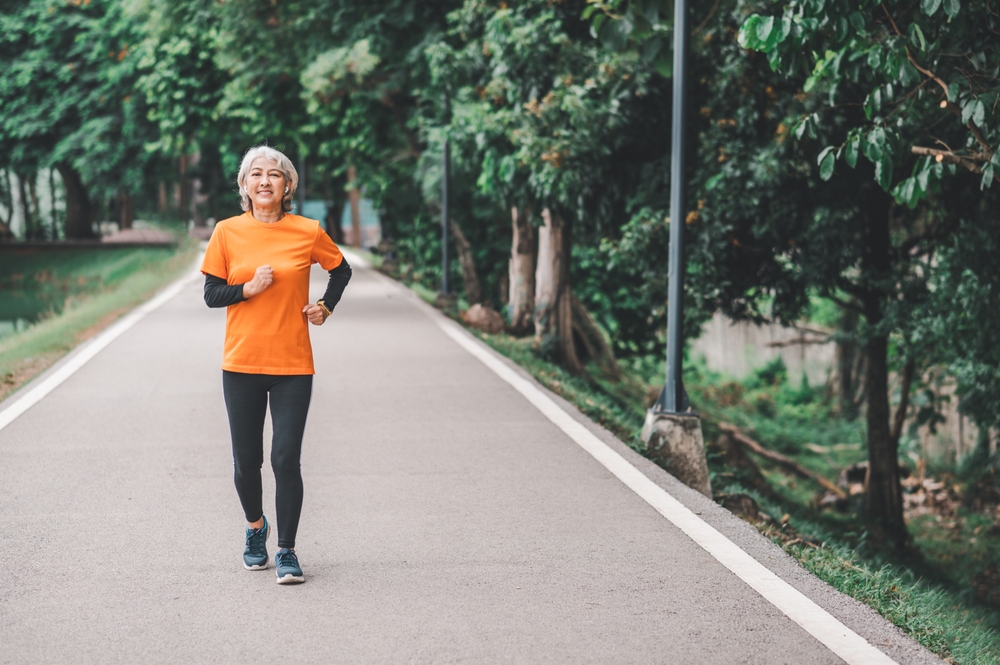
x,y
292,579
267,563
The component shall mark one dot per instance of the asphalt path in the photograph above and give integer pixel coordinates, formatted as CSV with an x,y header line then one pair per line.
x,y
446,519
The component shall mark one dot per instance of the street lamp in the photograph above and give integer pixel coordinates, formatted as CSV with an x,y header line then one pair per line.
x,y
445,175
672,431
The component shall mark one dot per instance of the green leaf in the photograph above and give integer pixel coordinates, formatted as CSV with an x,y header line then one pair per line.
x,y
979,114
951,8
826,164
595,27
908,74
930,6
995,160
917,36
588,11
967,110
851,153
987,176
786,29
876,99
883,171
801,128
875,58
764,29
842,27
748,32
857,19
872,150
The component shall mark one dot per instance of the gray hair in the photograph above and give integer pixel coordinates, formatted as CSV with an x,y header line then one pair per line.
x,y
281,162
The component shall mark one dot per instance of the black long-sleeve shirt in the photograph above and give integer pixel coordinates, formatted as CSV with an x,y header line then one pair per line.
x,y
220,294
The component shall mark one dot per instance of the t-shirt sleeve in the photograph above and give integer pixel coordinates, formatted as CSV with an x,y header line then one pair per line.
x,y
325,252
215,261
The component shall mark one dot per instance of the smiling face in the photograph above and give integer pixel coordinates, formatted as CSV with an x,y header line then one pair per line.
x,y
265,184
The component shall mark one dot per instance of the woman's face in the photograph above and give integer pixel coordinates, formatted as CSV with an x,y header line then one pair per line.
x,y
265,184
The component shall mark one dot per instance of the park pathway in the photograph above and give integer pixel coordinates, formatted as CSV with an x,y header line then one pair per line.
x,y
446,519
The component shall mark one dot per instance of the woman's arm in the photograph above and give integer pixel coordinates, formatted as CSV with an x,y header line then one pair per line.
x,y
220,294
339,277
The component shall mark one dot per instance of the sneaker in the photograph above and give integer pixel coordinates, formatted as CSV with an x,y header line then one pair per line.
x,y
287,564
255,553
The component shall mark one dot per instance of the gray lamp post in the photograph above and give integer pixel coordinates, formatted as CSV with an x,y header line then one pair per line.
x,y
445,176
672,431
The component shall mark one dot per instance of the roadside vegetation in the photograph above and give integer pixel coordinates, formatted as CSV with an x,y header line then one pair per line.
x,y
83,291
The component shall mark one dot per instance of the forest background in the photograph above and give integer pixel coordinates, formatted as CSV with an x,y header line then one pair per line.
x,y
841,166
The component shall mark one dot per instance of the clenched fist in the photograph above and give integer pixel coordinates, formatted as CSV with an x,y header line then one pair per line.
x,y
262,279
316,314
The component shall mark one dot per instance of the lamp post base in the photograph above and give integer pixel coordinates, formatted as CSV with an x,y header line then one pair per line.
x,y
674,442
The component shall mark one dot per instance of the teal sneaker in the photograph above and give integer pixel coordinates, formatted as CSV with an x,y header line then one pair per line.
x,y
287,564
255,553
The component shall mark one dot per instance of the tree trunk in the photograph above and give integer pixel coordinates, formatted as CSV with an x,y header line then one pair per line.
x,y
334,208
184,201
78,222
473,294
6,235
29,225
553,296
883,493
848,366
37,217
547,272
355,198
593,342
521,284
567,344
125,212
162,198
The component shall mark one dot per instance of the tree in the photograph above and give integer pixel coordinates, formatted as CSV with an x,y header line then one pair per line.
x,y
906,89
776,222
541,113
68,94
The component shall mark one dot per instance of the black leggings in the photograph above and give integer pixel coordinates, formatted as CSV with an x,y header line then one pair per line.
x,y
246,401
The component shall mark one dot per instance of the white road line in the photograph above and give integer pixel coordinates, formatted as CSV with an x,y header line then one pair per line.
x,y
36,394
816,621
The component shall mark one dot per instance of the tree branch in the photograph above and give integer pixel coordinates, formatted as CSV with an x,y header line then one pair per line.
x,y
951,158
909,56
780,459
846,304
976,131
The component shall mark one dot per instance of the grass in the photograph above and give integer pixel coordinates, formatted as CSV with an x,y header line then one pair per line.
x,y
87,290
930,599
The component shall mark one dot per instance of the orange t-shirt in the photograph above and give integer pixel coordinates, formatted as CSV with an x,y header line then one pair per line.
x,y
269,334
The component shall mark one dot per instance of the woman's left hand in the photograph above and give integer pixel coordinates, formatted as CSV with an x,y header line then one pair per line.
x,y
316,314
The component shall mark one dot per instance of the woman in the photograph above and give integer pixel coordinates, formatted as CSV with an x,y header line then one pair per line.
x,y
258,266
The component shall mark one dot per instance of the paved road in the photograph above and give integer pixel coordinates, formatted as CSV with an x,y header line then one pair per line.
x,y
446,520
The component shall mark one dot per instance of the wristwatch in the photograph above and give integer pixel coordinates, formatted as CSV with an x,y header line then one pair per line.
x,y
325,308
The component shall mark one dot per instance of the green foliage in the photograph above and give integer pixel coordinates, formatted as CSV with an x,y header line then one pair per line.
x,y
925,75
68,91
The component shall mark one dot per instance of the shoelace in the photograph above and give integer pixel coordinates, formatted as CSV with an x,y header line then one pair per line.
x,y
255,541
287,558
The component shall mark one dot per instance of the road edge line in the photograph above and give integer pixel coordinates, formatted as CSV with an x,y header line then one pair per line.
x,y
34,394
827,629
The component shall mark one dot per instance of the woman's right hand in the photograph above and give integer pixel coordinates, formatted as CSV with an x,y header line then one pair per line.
x,y
262,279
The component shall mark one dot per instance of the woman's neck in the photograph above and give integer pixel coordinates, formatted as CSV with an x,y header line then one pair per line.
x,y
267,216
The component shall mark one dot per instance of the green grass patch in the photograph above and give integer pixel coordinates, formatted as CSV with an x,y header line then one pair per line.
x,y
95,286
